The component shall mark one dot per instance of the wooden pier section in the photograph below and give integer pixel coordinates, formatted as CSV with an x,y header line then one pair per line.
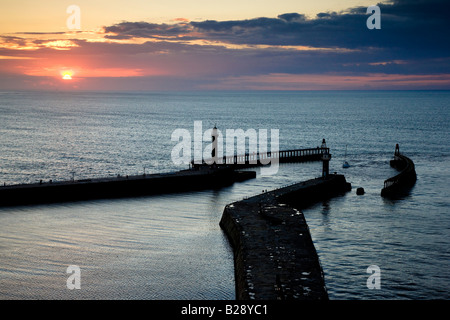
x,y
259,159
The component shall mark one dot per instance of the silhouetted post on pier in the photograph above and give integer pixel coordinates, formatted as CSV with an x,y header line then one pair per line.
x,y
397,150
214,137
326,157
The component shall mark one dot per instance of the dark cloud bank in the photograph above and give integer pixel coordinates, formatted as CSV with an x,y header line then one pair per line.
x,y
415,24
413,38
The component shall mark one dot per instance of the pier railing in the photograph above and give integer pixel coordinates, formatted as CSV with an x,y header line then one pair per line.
x,y
256,158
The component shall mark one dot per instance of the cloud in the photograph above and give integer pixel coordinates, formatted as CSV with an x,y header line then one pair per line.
x,y
414,28
282,81
128,30
406,25
412,48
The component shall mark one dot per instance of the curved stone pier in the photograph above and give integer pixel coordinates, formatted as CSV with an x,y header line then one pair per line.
x,y
274,255
402,181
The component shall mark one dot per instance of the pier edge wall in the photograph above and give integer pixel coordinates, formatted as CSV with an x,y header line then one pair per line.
x,y
272,262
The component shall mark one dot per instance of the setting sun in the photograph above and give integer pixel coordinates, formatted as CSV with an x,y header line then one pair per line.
x,y
67,75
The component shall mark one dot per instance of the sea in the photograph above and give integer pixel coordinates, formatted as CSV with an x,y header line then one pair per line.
x,y
170,246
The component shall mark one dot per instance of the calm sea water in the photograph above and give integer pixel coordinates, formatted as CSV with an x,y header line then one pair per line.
x,y
171,246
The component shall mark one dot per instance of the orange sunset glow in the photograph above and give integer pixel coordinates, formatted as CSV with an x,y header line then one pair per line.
x,y
67,75
290,45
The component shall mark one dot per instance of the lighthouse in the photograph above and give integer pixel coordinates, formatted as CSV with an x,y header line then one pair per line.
x,y
326,157
214,138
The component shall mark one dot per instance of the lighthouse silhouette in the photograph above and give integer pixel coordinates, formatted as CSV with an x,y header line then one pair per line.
x,y
214,137
326,157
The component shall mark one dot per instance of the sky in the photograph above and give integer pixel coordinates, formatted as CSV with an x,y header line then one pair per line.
x,y
224,45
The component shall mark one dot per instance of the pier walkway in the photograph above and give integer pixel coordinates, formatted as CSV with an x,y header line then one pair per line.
x,y
121,186
274,255
257,159
211,173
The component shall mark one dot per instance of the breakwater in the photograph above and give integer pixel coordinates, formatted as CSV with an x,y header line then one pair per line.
x,y
401,182
274,256
205,175
120,186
